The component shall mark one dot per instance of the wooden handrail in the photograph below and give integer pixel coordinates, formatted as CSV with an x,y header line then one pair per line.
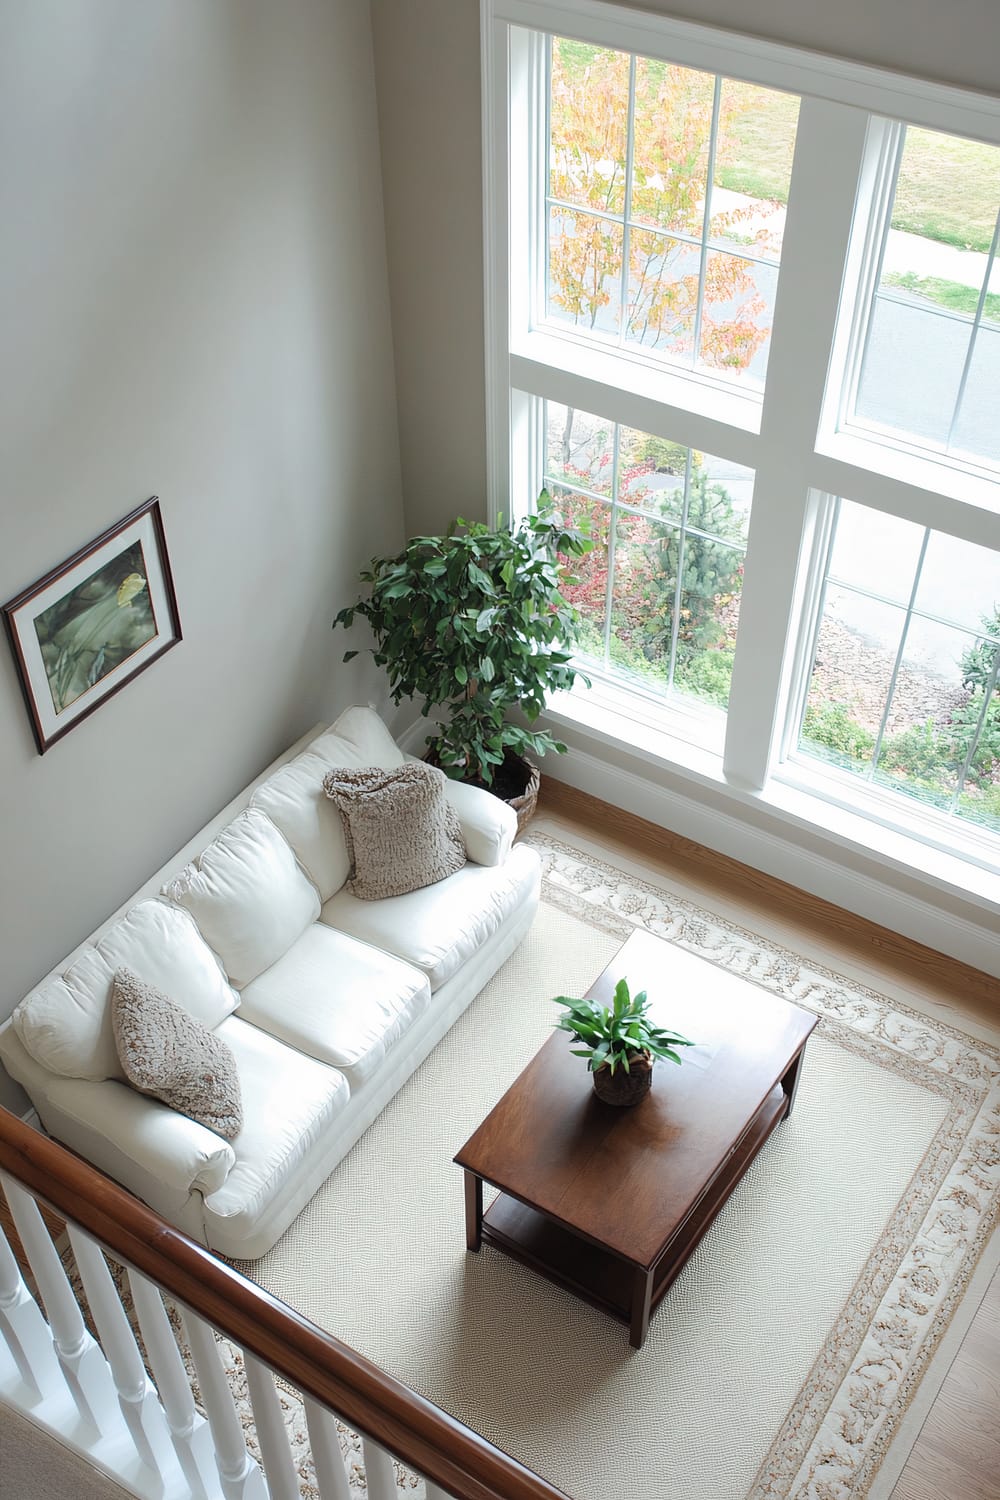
x,y
420,1434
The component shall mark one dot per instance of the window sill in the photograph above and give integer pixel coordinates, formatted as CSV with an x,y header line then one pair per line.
x,y
964,483
783,810
607,381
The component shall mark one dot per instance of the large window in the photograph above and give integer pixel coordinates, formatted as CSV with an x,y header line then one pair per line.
x,y
719,303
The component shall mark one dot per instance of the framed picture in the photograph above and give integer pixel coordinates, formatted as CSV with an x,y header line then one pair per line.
x,y
87,628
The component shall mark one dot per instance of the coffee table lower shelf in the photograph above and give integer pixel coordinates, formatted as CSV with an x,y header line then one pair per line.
x,y
617,1286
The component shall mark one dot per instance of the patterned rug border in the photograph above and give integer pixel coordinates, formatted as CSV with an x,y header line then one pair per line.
x,y
840,1427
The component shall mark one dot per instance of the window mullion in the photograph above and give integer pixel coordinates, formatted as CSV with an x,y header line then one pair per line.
x,y
989,688
829,151
626,217
609,589
707,219
973,336
900,653
679,585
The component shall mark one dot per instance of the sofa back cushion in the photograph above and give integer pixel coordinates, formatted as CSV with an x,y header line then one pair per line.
x,y
294,799
249,896
65,1023
357,738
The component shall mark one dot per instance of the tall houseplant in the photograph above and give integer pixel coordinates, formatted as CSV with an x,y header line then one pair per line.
x,y
475,623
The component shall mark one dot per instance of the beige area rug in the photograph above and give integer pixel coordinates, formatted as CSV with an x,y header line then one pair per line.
x,y
793,1352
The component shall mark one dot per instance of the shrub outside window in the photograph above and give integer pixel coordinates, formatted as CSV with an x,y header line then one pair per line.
x,y
659,593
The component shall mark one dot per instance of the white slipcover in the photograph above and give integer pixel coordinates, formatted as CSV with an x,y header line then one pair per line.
x,y
248,894
334,1015
339,1000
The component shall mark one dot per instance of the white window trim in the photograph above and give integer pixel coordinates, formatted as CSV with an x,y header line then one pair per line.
x,y
790,439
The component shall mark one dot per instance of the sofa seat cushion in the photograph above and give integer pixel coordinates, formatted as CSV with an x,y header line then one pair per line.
x,y
438,928
248,894
290,1103
337,999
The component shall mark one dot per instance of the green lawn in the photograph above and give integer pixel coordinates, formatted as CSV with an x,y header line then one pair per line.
x,y
949,188
952,294
759,162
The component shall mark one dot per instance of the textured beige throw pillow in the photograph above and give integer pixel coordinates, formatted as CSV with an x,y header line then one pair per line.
x,y
165,1052
401,831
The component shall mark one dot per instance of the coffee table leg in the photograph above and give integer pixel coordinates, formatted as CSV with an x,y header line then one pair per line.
x,y
790,1080
642,1293
473,1210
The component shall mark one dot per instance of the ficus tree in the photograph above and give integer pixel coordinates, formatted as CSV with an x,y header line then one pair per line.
x,y
476,623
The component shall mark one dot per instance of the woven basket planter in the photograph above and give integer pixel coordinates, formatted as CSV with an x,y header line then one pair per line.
x,y
525,804
624,1088
515,771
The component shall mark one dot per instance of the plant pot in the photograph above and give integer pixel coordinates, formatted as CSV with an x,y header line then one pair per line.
x,y
516,782
623,1088
525,802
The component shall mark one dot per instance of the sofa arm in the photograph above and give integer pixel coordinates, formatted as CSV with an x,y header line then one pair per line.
x,y
158,1154
166,1146
488,824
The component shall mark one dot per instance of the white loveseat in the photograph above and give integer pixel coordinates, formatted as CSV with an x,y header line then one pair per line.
x,y
328,1003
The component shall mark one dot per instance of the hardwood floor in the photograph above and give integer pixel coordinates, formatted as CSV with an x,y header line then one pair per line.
x,y
957,1455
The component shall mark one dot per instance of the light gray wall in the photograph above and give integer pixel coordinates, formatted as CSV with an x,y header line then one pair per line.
x,y
427,70
193,304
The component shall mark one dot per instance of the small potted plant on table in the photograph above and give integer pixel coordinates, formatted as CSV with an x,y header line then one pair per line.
x,y
620,1042
475,623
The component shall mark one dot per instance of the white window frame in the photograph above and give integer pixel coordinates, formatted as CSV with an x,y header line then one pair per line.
x,y
793,436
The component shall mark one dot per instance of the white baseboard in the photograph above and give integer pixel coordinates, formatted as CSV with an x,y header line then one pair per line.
x,y
971,937
861,881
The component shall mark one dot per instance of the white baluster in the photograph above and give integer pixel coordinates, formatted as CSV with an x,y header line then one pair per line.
x,y
327,1455
282,1481
432,1492
25,1331
137,1397
379,1472
239,1475
189,1432
83,1363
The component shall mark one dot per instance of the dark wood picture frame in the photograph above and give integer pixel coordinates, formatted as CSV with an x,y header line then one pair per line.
x,y
93,623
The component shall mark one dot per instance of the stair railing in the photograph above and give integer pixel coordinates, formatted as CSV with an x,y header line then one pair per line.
x,y
135,1414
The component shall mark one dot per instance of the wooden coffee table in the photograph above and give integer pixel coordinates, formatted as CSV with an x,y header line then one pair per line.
x,y
609,1202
